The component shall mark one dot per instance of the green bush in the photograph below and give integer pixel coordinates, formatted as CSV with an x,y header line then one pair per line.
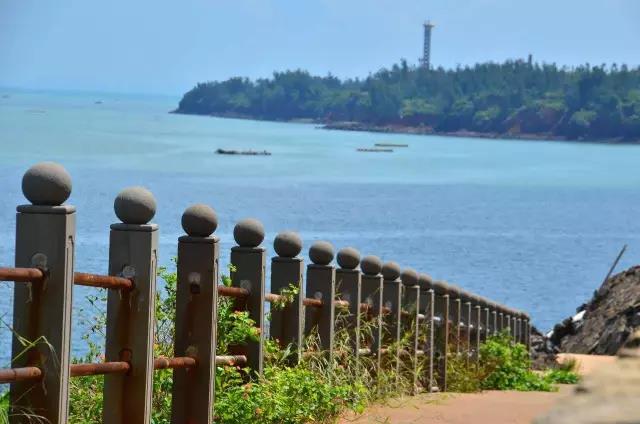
x,y
561,377
507,366
4,408
463,376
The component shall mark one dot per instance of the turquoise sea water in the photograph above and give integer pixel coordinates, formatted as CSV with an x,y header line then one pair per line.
x,y
531,224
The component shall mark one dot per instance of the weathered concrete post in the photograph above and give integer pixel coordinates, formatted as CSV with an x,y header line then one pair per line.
x,y
468,329
411,301
479,329
427,305
494,318
457,315
372,294
287,269
321,285
392,298
133,253
249,268
193,390
348,287
527,333
45,239
501,320
441,346
486,321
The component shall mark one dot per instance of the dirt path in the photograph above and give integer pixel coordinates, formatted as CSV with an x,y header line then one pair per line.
x,y
495,407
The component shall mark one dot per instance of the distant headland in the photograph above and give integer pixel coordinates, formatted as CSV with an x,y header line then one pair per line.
x,y
514,99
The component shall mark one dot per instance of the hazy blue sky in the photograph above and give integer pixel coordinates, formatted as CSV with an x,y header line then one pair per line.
x,y
162,46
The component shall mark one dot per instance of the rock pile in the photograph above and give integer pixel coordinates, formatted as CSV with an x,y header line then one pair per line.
x,y
606,321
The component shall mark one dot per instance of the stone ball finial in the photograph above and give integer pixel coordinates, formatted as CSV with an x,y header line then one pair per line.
x,y
46,184
135,205
199,220
348,258
248,232
287,244
390,270
321,253
425,281
440,287
409,277
371,265
453,290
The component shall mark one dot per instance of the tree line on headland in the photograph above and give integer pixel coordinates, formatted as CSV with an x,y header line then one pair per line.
x,y
514,98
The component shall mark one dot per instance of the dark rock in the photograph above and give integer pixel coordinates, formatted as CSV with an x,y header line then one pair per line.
x,y
609,318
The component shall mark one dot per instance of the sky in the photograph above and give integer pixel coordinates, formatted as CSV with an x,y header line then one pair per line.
x,y
166,47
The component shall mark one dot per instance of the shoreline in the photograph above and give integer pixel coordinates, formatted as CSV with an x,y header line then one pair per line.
x,y
401,129
421,130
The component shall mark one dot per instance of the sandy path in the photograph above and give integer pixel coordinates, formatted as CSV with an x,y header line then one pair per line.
x,y
496,407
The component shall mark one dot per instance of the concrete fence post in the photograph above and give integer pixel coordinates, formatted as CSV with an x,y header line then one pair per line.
x,y
321,285
45,239
133,253
494,319
468,329
486,322
441,346
193,390
372,295
501,321
456,310
527,333
411,301
427,297
392,298
249,268
479,329
287,270
348,288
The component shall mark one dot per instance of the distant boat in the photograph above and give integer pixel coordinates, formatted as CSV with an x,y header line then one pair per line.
x,y
390,145
374,150
5,96
243,152
97,102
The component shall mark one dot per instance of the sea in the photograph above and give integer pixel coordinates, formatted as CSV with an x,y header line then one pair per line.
x,y
531,224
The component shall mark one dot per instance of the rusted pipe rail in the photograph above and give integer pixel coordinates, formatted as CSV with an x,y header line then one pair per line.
x,y
21,275
12,375
162,363
237,292
103,368
102,281
231,360
307,301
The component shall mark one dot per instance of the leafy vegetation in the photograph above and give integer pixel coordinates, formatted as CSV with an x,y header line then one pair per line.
x,y
318,389
514,97
505,365
4,408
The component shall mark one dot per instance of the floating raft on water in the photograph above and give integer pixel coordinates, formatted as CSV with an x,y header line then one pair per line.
x,y
390,145
374,150
243,152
